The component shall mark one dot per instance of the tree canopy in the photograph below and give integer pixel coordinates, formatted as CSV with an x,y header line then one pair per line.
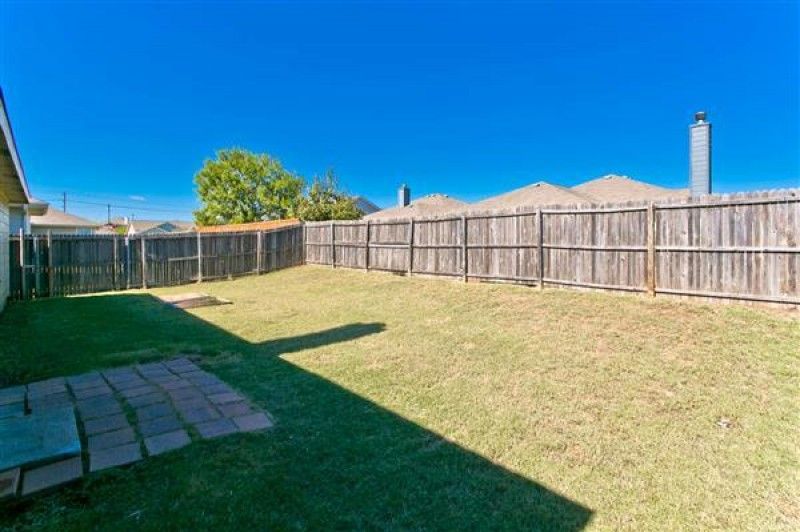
x,y
324,201
240,186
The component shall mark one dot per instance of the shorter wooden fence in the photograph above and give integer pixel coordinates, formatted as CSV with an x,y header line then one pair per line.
x,y
741,247
57,265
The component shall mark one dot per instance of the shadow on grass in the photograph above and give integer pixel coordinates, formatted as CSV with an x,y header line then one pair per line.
x,y
334,459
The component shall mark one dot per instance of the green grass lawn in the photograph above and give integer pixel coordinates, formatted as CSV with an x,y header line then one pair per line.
x,y
429,404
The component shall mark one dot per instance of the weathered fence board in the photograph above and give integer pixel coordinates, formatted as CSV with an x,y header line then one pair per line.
x,y
740,246
57,265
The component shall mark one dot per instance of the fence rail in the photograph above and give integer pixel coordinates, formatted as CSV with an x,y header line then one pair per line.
x,y
742,246
57,265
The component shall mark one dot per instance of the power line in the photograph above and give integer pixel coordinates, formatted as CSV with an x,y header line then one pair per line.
x,y
115,206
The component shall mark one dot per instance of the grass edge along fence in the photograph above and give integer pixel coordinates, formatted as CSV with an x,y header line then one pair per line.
x,y
737,246
58,265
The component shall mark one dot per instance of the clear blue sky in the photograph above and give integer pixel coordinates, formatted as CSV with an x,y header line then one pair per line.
x,y
123,102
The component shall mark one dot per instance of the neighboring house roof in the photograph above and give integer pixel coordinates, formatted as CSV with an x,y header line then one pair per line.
x,y
431,205
618,188
253,226
537,194
58,218
13,185
140,227
365,205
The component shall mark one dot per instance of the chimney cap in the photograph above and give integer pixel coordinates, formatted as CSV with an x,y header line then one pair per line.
x,y
700,116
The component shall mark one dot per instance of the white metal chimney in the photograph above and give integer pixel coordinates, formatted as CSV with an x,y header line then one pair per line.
x,y
700,156
403,196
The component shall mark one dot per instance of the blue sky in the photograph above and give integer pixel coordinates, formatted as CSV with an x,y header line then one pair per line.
x,y
122,102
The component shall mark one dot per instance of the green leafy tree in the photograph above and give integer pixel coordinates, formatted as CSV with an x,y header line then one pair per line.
x,y
324,201
240,186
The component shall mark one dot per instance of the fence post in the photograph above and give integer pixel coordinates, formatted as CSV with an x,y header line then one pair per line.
x,y
651,250
37,268
333,244
464,259
144,262
366,250
23,277
114,265
411,247
127,262
50,278
199,258
540,247
258,252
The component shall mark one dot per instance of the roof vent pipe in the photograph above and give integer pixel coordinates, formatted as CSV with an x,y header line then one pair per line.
x,y
700,156
403,196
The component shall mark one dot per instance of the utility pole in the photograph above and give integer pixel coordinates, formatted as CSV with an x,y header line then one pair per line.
x,y
109,213
64,203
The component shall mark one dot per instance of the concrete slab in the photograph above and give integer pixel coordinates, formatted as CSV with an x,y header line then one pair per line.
x,y
9,482
36,438
12,410
51,475
13,394
114,456
166,442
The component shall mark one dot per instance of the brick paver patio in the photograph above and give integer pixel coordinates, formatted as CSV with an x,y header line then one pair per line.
x,y
125,414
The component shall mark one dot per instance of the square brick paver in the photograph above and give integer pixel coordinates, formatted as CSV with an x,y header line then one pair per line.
x,y
105,424
47,387
47,402
216,428
51,475
114,456
159,425
184,394
252,422
136,382
234,409
98,407
94,391
86,380
198,415
154,411
147,399
222,398
177,384
105,440
166,442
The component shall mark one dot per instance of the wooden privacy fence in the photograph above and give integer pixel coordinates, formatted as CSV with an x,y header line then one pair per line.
x,y
56,265
742,246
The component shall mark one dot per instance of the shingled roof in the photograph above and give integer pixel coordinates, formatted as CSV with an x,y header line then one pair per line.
x,y
537,194
614,188
431,205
